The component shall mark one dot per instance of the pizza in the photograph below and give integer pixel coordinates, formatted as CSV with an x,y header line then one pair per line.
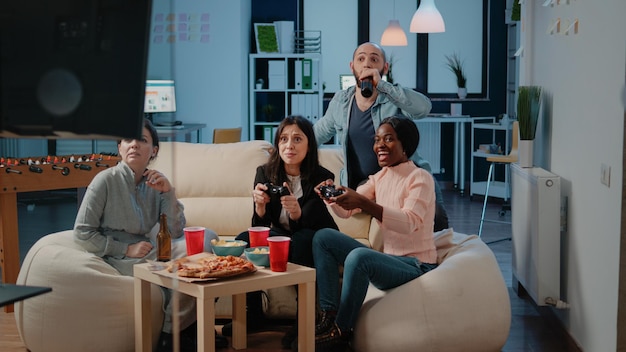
x,y
211,267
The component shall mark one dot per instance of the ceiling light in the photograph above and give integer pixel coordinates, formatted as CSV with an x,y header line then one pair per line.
x,y
427,19
394,35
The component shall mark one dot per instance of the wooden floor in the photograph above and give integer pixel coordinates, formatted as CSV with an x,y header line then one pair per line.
x,y
532,329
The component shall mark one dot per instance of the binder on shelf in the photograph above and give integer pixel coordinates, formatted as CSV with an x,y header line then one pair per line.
x,y
297,69
307,72
315,114
296,108
276,74
315,68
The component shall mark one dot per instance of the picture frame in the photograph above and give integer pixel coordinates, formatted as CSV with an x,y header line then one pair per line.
x,y
266,38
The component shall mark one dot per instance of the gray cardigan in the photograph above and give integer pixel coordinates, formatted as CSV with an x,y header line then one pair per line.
x,y
115,213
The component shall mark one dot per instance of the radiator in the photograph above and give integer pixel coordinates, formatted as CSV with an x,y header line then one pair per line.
x,y
536,247
430,144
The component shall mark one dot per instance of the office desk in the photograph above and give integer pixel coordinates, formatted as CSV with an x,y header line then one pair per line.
x,y
174,132
459,144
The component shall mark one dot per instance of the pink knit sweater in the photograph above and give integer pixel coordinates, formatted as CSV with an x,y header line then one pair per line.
x,y
407,195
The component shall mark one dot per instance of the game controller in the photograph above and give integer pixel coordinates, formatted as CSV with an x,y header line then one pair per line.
x,y
330,191
273,190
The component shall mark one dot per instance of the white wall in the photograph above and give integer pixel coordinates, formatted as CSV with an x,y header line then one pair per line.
x,y
582,127
339,35
211,73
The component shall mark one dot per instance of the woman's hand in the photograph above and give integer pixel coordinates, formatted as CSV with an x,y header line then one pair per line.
x,y
328,182
139,249
157,181
260,199
350,199
291,205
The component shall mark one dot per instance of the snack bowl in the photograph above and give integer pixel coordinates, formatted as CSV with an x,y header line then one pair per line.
x,y
230,247
259,256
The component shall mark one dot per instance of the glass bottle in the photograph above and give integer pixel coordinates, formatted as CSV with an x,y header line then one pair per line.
x,y
164,241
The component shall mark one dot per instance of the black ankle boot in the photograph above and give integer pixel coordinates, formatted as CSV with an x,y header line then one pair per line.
x,y
333,340
325,321
188,340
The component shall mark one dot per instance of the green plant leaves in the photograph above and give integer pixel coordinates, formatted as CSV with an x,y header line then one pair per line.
x,y
455,64
528,105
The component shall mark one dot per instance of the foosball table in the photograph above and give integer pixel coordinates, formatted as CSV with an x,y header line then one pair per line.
x,y
38,174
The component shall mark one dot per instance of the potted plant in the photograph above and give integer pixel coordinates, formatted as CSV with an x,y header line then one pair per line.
x,y
455,64
528,104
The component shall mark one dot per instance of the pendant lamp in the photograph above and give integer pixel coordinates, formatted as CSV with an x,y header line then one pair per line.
x,y
394,34
427,19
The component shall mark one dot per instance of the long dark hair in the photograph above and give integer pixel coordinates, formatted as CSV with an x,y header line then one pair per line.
x,y
407,132
275,166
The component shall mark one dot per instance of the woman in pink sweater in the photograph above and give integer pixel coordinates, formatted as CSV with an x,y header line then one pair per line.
x,y
401,197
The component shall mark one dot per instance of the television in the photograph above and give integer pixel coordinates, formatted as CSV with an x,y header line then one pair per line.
x,y
73,68
160,97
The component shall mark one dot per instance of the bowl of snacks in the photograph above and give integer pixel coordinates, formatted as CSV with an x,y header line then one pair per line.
x,y
228,247
259,256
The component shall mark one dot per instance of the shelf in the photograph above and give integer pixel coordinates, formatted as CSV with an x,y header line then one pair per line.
x,y
291,85
491,126
489,133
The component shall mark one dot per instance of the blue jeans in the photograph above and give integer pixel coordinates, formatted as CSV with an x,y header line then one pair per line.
x,y
361,265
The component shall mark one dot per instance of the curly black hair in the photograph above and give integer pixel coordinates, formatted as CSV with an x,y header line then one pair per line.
x,y
407,132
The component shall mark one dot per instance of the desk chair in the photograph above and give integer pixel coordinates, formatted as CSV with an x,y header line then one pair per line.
x,y
500,159
227,135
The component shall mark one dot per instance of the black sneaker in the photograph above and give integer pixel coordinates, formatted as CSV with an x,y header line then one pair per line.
x,y
166,343
188,341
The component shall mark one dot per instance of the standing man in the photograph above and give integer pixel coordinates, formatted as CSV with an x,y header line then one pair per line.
x,y
355,113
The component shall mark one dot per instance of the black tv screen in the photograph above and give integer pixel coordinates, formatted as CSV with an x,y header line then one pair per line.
x,y
73,68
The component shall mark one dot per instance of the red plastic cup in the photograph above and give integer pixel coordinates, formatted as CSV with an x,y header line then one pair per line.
x,y
194,237
258,236
279,252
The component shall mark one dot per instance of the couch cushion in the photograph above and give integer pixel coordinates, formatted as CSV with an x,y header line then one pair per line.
x,y
214,181
462,305
91,306
212,170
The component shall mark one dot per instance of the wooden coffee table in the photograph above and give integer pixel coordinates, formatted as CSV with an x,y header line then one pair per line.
x,y
237,287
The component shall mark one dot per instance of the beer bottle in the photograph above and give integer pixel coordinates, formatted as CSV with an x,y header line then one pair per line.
x,y
164,241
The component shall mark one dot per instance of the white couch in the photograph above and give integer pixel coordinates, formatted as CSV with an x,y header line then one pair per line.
x,y
462,305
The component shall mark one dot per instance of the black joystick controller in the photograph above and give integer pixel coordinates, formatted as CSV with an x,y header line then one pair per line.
x,y
273,190
330,191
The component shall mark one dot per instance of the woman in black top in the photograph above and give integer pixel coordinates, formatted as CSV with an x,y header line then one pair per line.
x,y
294,166
286,202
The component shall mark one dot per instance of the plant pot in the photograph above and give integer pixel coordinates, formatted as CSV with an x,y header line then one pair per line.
x,y
462,93
525,152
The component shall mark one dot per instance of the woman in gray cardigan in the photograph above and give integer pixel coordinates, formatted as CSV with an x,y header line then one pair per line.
x,y
118,220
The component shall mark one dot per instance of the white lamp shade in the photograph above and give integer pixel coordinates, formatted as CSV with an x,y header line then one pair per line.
x,y
427,19
394,35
